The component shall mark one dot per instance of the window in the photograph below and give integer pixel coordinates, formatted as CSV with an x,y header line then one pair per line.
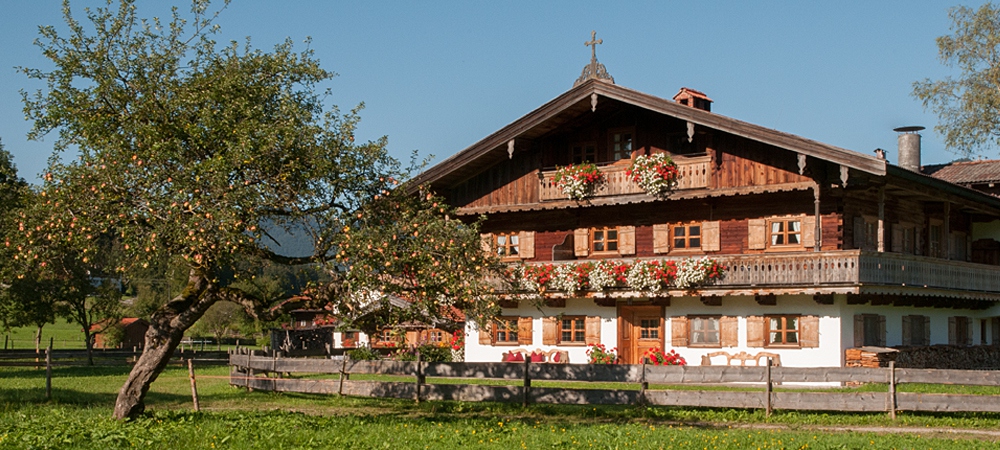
x,y
869,330
507,245
581,153
785,232
782,331
388,338
934,240
916,330
434,337
573,330
686,237
604,239
349,338
705,331
649,329
621,145
505,330
959,330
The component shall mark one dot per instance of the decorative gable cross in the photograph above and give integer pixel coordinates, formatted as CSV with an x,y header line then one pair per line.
x,y
593,46
595,69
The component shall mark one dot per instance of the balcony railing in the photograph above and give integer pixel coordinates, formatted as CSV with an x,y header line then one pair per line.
x,y
853,268
693,175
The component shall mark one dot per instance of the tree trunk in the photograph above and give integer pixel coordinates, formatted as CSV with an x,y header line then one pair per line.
x,y
38,340
88,340
166,328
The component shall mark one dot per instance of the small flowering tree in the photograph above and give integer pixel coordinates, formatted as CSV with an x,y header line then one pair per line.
x,y
656,174
578,181
657,357
598,354
696,272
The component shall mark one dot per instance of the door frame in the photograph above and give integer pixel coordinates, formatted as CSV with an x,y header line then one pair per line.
x,y
627,344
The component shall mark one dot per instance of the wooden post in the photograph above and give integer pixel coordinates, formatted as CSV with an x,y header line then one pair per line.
x,y
194,386
527,382
767,389
420,375
51,340
644,384
343,374
6,338
892,390
249,373
48,373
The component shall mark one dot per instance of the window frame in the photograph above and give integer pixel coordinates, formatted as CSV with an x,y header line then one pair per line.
x,y
510,330
797,331
575,332
623,154
785,221
588,148
694,330
503,249
606,241
687,237
934,243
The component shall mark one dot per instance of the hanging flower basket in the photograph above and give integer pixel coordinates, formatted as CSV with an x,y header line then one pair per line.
x,y
578,181
656,174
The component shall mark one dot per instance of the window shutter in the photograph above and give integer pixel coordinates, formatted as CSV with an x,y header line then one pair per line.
x,y
550,331
927,330
859,232
710,236
729,328
679,331
859,330
661,238
809,331
755,331
881,331
581,241
968,331
897,238
907,330
996,330
757,234
626,240
918,246
485,334
952,332
593,330
809,231
486,242
526,244
524,330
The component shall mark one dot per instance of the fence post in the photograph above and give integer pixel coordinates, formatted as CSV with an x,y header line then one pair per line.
x,y
527,382
644,384
194,386
767,389
420,375
48,373
250,371
343,374
892,390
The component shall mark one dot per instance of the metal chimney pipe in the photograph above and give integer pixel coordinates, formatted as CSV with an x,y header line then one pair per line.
x,y
909,147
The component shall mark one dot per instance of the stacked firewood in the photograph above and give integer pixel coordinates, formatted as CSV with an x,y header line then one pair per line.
x,y
869,357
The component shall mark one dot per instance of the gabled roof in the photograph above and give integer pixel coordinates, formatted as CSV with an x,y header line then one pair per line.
x,y
579,100
966,172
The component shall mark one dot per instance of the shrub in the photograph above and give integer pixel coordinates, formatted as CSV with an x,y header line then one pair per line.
x,y
656,357
364,353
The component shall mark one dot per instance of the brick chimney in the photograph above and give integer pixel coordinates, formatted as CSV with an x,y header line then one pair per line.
x,y
693,98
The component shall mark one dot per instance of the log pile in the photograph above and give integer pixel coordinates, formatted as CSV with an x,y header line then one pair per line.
x,y
979,357
872,357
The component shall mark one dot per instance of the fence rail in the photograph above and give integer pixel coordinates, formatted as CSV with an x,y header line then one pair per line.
x,y
755,384
66,358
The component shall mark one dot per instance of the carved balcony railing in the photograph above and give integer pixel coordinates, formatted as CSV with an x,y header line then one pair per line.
x,y
694,174
851,268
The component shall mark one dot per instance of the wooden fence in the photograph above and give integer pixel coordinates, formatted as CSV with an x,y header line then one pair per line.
x,y
753,385
63,358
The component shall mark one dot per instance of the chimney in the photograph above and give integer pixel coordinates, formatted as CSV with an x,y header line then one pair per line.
x,y
909,147
693,98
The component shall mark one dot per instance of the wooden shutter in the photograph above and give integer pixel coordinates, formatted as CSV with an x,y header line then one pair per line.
x,y
661,238
757,234
859,330
626,240
809,331
524,330
859,232
897,238
809,231
550,331
908,330
881,331
995,323
755,331
486,242
968,331
581,241
486,334
679,334
729,328
526,244
710,239
927,330
952,337
593,330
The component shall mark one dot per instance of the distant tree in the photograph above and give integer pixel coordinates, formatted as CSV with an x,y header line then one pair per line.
x,y
222,320
193,150
968,106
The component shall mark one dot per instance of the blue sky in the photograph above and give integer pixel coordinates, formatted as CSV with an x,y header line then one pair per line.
x,y
438,76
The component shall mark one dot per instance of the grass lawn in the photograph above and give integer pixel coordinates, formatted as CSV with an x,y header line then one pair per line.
x,y
78,416
64,335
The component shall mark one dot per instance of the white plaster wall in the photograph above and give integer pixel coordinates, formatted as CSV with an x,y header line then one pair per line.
x,y
894,322
474,352
338,339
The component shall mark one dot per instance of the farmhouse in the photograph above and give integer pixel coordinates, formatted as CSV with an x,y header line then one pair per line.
x,y
824,249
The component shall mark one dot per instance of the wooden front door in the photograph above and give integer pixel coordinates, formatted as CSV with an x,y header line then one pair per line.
x,y
640,328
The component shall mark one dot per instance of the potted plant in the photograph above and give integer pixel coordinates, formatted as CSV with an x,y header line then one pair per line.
x,y
578,181
656,174
657,357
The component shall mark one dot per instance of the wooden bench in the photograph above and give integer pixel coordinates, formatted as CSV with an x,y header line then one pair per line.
x,y
759,359
548,357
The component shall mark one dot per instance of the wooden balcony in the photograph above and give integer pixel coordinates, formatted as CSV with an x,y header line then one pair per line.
x,y
694,174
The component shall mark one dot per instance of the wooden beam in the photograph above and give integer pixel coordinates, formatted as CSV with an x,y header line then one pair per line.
x,y
823,299
660,301
605,301
766,299
711,300
555,302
